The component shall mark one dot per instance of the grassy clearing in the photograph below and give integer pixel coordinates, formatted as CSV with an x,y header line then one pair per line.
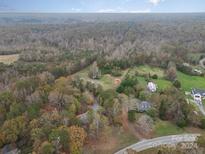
x,y
188,82
107,81
9,59
145,69
163,128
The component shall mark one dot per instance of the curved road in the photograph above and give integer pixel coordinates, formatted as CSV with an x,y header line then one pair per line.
x,y
202,62
166,140
200,106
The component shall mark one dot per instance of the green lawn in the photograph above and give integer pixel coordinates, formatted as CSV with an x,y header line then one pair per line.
x,y
161,83
163,128
188,82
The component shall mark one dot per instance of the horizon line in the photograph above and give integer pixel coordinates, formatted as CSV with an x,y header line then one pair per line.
x,y
34,12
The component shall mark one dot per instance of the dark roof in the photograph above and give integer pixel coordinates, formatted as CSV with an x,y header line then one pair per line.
x,y
198,91
9,148
144,106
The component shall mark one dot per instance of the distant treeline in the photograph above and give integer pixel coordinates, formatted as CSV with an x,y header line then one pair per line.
x,y
9,52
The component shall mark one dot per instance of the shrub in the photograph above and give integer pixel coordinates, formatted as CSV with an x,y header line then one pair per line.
x,y
181,123
127,83
47,148
58,71
152,113
131,115
177,84
203,123
155,76
201,141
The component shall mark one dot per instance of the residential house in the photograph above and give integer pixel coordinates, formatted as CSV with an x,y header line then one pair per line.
x,y
144,106
10,149
152,87
198,95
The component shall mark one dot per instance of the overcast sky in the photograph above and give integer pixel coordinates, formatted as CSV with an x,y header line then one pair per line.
x,y
132,6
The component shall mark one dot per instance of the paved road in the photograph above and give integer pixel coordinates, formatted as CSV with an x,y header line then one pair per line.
x,y
166,140
202,62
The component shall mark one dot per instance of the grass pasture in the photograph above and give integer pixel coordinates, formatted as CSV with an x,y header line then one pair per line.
x,y
9,59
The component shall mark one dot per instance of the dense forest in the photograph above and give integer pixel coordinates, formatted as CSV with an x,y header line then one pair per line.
x,y
47,107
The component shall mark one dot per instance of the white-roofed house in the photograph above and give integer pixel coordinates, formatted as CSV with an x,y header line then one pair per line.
x,y
152,87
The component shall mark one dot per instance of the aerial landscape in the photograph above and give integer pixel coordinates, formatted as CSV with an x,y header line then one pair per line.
x,y
102,81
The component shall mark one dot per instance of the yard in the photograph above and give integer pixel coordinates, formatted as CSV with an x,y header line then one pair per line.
x,y
144,70
188,82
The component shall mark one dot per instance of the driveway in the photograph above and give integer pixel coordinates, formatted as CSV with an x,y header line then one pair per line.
x,y
160,141
202,62
200,106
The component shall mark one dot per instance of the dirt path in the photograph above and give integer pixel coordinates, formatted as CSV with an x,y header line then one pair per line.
x,y
127,125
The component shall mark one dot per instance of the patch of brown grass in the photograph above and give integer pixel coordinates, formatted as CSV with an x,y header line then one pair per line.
x,y
9,59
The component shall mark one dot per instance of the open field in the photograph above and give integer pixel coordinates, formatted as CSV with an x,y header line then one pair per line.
x,y
9,59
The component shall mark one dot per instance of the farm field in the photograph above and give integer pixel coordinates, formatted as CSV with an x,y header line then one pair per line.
x,y
9,59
